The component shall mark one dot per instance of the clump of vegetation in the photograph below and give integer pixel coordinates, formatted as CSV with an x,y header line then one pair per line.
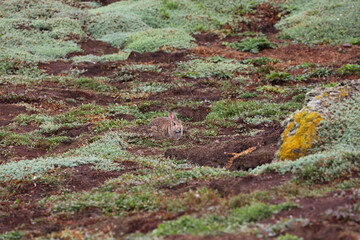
x,y
278,77
349,69
324,21
229,110
214,224
216,67
154,39
259,61
39,31
254,45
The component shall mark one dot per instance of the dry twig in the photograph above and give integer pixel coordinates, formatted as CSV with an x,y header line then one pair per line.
x,y
236,155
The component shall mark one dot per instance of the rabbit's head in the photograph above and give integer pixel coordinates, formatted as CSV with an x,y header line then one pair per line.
x,y
176,128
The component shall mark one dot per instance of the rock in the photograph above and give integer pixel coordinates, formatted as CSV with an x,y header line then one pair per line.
x,y
300,131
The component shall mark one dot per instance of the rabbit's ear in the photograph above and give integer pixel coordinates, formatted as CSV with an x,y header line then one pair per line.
x,y
172,115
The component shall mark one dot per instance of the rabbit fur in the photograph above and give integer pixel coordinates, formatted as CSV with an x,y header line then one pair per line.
x,y
166,127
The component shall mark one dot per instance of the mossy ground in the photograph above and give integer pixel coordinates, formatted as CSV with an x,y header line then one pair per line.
x,y
75,162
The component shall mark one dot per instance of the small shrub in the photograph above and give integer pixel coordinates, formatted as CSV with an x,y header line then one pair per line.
x,y
259,61
278,77
349,69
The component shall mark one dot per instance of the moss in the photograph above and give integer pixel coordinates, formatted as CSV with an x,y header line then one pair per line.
x,y
296,145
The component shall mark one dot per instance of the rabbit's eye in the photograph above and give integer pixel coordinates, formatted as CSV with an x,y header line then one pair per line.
x,y
174,123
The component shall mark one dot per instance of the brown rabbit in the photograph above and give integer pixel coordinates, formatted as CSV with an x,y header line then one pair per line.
x,y
166,127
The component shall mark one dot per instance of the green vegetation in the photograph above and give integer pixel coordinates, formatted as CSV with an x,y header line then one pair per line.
x,y
278,77
322,21
40,30
254,45
215,67
338,154
349,69
74,147
214,224
227,110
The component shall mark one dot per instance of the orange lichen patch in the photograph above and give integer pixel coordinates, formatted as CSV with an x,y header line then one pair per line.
x,y
296,145
343,93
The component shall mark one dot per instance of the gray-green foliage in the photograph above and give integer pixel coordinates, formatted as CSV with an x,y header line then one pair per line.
x,y
215,224
337,154
214,67
227,109
148,25
251,44
322,20
39,30
101,153
21,169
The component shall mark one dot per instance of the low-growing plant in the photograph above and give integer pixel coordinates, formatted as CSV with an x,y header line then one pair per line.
x,y
349,69
214,224
278,77
254,45
219,68
259,61
226,109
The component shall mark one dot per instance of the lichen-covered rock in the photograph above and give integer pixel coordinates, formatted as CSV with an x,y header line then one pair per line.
x,y
300,133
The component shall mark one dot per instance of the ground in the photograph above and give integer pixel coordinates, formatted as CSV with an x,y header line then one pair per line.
x,y
206,141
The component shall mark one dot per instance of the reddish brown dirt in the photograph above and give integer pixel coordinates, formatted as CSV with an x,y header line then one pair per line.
x,y
159,56
296,54
234,186
197,114
93,47
8,112
214,154
262,19
27,194
107,2
220,237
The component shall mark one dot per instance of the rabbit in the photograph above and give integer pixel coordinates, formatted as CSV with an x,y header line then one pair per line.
x,y
166,127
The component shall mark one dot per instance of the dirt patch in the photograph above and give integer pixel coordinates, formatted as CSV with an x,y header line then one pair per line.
x,y
56,68
93,47
197,92
8,112
220,237
76,179
205,39
159,56
234,186
262,19
321,226
215,154
248,184
296,54
107,2
197,114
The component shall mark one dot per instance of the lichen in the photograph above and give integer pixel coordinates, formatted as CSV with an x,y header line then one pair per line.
x,y
296,145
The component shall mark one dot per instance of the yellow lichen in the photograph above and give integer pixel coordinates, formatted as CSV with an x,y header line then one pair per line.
x,y
297,145
343,93
318,97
